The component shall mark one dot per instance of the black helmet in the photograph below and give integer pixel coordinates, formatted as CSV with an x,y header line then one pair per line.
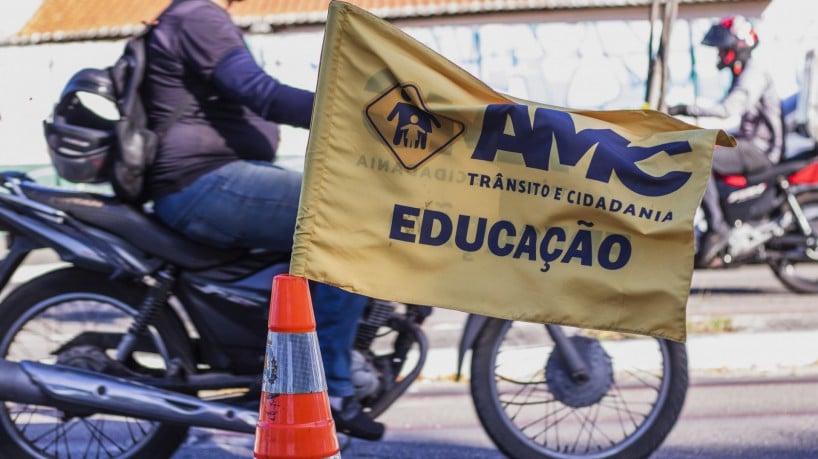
x,y
734,35
79,136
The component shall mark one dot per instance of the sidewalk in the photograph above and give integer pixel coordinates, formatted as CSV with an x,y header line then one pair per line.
x,y
774,353
740,320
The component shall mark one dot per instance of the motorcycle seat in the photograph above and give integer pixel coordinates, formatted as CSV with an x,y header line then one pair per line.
x,y
133,225
782,169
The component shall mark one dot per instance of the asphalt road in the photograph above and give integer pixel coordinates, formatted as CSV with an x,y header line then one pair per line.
x,y
754,369
724,418
750,410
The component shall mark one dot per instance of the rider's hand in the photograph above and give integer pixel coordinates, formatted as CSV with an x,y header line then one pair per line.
x,y
677,110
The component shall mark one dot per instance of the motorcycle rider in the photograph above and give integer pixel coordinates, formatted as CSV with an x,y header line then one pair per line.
x,y
760,135
214,179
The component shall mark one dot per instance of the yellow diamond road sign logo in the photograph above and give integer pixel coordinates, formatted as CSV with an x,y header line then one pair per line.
x,y
412,132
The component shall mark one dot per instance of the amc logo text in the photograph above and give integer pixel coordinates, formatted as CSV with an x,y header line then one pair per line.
x,y
612,153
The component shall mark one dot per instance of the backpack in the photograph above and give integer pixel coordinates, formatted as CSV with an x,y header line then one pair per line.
x,y
135,145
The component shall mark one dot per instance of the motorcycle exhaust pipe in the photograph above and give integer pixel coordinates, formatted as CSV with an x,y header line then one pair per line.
x,y
70,388
16,386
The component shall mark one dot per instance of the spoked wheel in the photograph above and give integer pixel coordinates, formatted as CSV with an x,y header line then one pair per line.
x,y
799,271
74,317
531,407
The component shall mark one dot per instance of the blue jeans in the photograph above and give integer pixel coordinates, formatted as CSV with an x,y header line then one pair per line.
x,y
254,204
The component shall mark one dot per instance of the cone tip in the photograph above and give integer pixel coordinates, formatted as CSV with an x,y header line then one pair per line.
x,y
291,305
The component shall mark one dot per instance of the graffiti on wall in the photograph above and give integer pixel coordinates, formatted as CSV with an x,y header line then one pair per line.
x,y
584,65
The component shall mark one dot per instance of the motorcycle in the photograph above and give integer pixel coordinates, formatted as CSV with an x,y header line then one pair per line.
x,y
774,217
144,334
774,213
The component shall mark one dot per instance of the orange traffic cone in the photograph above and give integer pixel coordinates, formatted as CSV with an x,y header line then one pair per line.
x,y
294,418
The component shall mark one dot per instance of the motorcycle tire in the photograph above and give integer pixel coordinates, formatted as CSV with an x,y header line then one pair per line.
x,y
800,275
531,408
38,322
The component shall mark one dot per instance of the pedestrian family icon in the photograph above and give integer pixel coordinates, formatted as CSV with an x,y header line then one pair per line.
x,y
414,123
416,134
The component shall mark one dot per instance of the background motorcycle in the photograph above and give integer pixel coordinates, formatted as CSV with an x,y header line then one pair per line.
x,y
144,334
774,215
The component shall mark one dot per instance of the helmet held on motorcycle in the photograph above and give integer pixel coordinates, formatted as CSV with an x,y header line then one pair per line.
x,y
80,131
735,38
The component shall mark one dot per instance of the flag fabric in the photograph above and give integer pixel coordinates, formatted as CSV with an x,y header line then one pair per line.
x,y
423,185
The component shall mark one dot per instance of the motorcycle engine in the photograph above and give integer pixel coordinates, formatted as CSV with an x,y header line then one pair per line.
x,y
372,374
748,237
364,376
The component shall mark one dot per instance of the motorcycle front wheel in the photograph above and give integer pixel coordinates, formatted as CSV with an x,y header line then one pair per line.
x,y
798,269
75,317
530,406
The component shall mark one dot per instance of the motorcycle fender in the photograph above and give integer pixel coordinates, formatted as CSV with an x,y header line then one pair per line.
x,y
94,250
474,323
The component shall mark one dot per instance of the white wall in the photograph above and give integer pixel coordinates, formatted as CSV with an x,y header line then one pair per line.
x,y
591,65
598,65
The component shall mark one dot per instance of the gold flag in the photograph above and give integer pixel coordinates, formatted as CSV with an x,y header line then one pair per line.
x,y
423,185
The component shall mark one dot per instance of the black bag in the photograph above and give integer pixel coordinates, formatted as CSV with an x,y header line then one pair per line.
x,y
134,145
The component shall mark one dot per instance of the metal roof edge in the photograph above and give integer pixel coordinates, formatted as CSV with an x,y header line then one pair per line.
x,y
475,7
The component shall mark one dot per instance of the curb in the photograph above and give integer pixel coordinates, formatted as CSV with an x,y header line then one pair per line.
x,y
790,352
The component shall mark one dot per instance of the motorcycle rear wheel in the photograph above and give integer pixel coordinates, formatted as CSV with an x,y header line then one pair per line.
x,y
530,408
800,275
43,315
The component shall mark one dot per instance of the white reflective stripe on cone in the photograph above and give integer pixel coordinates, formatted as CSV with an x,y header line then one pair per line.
x,y
289,366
